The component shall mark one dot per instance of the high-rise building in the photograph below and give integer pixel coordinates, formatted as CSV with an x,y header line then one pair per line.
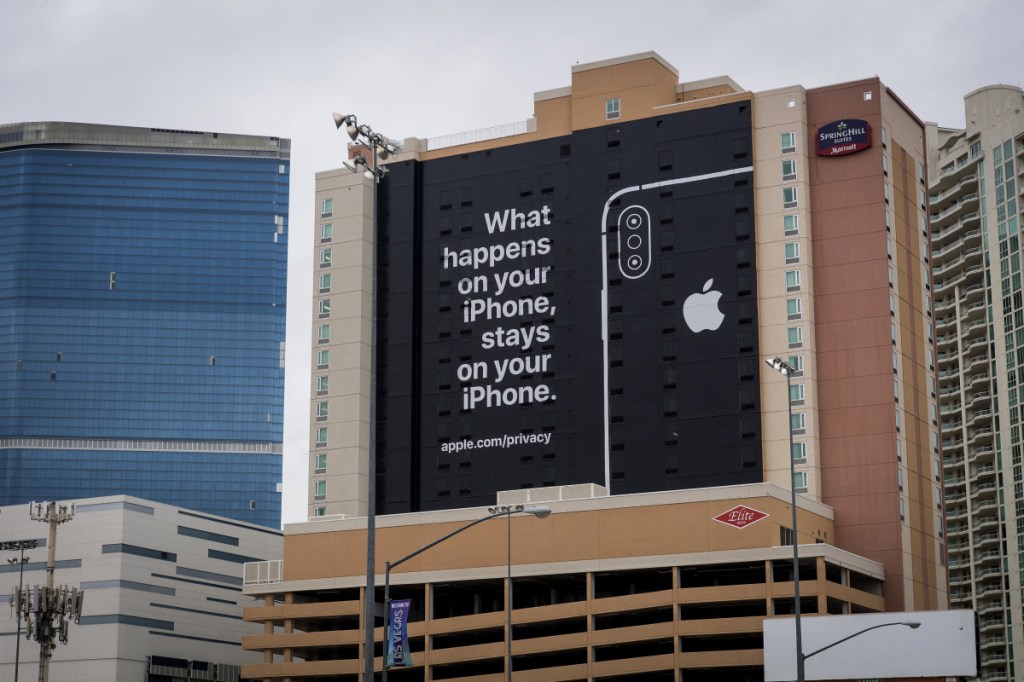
x,y
975,202
588,298
142,316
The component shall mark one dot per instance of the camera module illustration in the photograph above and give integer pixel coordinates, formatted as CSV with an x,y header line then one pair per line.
x,y
579,309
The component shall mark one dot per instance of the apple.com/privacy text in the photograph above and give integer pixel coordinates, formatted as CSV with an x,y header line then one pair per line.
x,y
508,440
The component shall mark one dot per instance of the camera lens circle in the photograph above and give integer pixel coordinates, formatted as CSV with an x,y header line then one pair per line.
x,y
634,262
633,221
634,241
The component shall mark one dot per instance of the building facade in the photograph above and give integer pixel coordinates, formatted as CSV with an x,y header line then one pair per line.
x,y
163,591
820,252
975,203
142,299
652,586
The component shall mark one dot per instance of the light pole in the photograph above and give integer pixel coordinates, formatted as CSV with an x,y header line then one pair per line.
x,y
16,546
507,511
913,625
495,512
785,370
381,147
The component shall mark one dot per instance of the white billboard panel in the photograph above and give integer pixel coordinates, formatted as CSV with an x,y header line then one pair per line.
x,y
879,645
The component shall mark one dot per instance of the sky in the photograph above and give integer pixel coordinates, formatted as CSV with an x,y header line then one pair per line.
x,y
425,69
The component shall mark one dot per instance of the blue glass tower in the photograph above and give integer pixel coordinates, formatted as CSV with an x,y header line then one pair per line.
x,y
142,316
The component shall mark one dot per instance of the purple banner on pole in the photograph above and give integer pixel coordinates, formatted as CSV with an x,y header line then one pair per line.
x,y
398,654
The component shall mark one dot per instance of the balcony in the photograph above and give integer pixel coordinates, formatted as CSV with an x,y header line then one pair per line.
x,y
971,179
983,490
968,221
949,266
958,278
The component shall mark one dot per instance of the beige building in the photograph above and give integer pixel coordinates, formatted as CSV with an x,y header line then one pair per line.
x,y
843,296
975,202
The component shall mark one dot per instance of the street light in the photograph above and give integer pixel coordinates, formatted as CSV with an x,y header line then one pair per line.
x,y
785,370
381,147
18,546
495,512
507,511
913,625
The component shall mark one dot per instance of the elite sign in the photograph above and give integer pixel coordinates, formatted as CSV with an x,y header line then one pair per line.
x,y
842,137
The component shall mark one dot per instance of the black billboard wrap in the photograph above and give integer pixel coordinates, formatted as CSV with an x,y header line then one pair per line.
x,y
580,309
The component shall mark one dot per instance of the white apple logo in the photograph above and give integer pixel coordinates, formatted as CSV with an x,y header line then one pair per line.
x,y
701,310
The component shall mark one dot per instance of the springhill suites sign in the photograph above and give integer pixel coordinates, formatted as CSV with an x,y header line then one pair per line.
x,y
846,136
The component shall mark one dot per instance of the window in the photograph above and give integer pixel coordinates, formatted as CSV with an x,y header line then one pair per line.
x,y
795,336
613,108
326,232
903,508
791,104
788,142
319,490
325,258
792,252
327,208
322,385
798,422
867,95
323,333
791,225
789,197
321,437
322,409
796,394
325,307
320,511
323,359
793,308
799,452
325,283
899,450
800,481
899,477
792,280
885,164
789,169
320,463
797,363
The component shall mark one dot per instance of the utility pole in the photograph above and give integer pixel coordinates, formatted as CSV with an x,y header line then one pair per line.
x,y
48,610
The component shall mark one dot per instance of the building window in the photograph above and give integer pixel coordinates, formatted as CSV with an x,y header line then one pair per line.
x,y
885,191
903,509
791,104
799,452
319,490
325,283
327,208
793,311
320,463
789,169
885,138
791,224
796,394
795,336
321,437
867,95
613,108
322,410
322,385
792,280
798,422
788,142
323,359
325,258
800,481
796,362
325,307
789,197
319,511
323,333
326,232
885,165
792,252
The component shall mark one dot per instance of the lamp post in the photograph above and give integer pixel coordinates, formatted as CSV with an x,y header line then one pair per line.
x,y
16,546
495,512
381,147
913,625
507,511
785,370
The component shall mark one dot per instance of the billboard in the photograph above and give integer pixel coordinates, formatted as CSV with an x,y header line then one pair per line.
x,y
579,309
874,645
846,136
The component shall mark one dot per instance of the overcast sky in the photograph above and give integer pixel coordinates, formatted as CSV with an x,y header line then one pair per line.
x,y
433,68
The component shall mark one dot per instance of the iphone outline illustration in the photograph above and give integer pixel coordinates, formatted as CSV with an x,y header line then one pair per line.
x,y
628,270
